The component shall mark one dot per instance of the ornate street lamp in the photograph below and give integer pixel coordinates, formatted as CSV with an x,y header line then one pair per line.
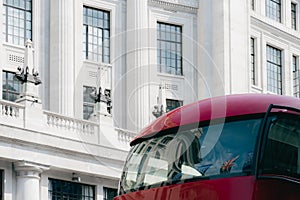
x,y
24,76
102,100
158,108
28,76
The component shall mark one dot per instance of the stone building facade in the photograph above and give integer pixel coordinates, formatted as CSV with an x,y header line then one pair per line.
x,y
80,78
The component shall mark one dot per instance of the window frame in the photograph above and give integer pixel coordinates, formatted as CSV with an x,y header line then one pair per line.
x,y
106,191
87,104
253,70
252,3
274,67
72,184
97,34
1,184
6,92
296,76
294,20
269,119
274,10
173,101
24,28
169,48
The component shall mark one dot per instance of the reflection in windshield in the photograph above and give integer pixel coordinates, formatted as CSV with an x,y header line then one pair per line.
x,y
199,152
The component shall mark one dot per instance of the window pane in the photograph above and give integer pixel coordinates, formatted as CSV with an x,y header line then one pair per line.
x,y
11,87
281,154
97,23
273,9
69,190
296,77
252,57
169,44
294,16
274,70
189,154
109,193
14,22
88,101
172,104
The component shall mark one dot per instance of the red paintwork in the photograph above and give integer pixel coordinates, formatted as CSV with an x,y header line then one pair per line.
x,y
276,189
214,108
205,189
236,188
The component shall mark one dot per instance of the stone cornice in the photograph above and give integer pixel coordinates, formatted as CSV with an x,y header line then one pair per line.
x,y
189,6
275,29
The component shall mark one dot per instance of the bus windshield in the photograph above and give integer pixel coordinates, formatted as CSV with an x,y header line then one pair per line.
x,y
218,149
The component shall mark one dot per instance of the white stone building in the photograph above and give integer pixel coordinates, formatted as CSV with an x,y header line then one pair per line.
x,y
142,55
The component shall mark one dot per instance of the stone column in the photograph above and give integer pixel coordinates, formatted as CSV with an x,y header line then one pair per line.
x,y
28,180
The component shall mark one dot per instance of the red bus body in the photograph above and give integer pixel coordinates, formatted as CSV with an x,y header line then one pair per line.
x,y
258,185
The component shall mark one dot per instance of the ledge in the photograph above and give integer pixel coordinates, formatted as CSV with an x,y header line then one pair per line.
x,y
188,6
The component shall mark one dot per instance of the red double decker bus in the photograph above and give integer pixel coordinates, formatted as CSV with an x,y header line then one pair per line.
x,y
231,147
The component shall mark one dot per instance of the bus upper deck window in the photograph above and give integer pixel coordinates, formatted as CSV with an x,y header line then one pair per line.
x,y
282,150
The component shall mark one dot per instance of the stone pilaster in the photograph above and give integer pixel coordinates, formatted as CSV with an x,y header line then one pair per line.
x,y
137,65
62,57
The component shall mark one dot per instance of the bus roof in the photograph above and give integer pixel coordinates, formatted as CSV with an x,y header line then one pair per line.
x,y
215,108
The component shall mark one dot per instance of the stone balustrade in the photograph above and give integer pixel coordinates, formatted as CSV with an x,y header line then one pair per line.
x,y
125,135
10,109
71,124
11,113
101,133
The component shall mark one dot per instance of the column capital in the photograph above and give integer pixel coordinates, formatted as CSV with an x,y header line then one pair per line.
x,y
28,179
29,169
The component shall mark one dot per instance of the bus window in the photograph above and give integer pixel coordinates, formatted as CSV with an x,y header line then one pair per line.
x,y
220,149
282,151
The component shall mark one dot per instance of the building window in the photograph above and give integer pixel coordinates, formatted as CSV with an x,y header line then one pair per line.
x,y
96,35
11,87
274,70
88,101
253,4
273,9
1,184
172,104
296,78
169,52
252,60
109,193
59,189
294,16
17,21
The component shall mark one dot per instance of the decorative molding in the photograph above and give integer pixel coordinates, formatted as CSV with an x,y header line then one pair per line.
x,y
125,135
62,122
15,58
10,109
189,6
29,169
92,74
